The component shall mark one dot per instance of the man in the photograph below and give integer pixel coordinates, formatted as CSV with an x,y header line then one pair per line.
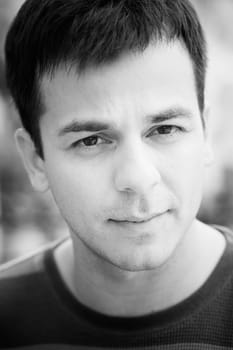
x,y
111,97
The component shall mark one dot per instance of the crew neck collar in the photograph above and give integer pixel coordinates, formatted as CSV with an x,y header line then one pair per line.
x,y
185,309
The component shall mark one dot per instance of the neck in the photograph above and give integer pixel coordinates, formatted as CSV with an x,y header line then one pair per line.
x,y
112,291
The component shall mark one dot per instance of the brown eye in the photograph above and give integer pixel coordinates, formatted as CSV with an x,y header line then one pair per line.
x,y
167,129
166,133
92,145
90,141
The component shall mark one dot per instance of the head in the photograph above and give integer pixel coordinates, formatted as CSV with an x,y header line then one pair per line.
x,y
49,34
111,97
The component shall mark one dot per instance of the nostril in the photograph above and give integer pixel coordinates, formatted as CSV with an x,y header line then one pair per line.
x,y
136,180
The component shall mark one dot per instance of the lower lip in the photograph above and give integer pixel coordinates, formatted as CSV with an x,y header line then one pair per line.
x,y
138,225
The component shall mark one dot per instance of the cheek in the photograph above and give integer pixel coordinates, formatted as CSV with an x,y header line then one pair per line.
x,y
187,171
77,189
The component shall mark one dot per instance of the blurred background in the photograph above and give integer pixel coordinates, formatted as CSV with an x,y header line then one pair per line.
x,y
28,220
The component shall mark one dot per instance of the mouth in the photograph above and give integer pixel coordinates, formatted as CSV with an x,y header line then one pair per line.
x,y
136,220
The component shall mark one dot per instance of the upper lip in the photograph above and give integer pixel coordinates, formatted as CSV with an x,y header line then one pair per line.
x,y
137,219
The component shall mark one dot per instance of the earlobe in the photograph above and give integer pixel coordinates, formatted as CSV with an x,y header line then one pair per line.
x,y
209,154
33,163
205,117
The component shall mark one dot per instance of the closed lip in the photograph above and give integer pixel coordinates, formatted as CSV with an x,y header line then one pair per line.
x,y
137,220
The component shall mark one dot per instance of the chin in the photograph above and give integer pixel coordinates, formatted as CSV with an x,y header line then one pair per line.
x,y
138,266
140,262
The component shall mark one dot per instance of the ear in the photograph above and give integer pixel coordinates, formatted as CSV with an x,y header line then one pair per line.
x,y
33,163
209,154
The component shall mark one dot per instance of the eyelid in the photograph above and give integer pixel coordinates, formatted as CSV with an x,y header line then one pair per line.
x,y
111,137
102,134
79,141
156,127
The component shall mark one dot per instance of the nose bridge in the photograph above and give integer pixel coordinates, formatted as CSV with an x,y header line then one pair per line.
x,y
136,169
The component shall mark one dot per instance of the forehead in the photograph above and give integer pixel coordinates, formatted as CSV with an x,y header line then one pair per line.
x,y
160,77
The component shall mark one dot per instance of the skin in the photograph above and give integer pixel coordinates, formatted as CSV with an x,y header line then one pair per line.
x,y
150,163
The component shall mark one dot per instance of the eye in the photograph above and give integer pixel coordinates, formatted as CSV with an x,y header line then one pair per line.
x,y
166,130
90,142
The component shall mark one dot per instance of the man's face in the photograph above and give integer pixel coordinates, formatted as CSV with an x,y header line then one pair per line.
x,y
125,154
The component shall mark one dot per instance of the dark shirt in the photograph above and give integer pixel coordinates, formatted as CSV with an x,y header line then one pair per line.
x,y
37,311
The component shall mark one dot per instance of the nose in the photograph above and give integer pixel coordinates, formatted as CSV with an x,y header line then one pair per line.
x,y
136,170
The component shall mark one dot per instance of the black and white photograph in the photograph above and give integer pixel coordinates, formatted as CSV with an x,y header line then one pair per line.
x,y
116,174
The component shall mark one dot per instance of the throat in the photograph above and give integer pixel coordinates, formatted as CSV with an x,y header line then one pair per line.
x,y
141,293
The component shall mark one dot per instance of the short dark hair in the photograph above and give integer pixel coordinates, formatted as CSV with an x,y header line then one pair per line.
x,y
47,34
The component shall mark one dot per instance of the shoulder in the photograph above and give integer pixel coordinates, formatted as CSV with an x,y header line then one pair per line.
x,y
25,265
26,296
22,279
227,234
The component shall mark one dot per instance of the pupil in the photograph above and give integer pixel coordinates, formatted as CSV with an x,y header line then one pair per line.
x,y
166,129
90,141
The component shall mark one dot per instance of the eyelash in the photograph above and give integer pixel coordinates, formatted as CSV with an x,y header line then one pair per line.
x,y
79,143
152,133
178,130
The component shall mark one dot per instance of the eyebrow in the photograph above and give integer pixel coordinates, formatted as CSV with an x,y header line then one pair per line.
x,y
76,126
171,113
95,126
